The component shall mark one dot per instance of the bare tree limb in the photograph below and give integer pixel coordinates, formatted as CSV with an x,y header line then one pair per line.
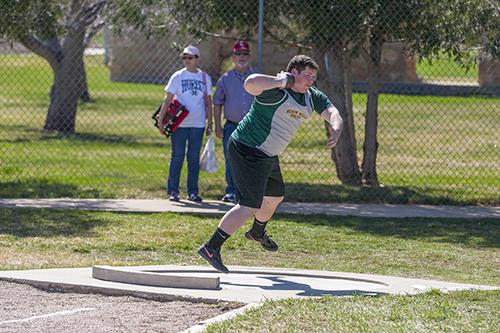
x,y
49,51
93,30
84,15
273,41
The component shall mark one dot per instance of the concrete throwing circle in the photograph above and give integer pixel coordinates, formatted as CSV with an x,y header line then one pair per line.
x,y
203,284
273,283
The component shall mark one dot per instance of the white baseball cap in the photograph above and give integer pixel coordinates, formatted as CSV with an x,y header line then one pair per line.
x,y
192,50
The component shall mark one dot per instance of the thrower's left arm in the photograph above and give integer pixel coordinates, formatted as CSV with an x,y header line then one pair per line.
x,y
332,116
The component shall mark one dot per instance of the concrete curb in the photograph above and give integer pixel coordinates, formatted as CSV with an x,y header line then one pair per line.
x,y
172,280
200,327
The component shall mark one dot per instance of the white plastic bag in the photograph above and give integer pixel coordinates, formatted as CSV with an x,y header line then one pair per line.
x,y
208,161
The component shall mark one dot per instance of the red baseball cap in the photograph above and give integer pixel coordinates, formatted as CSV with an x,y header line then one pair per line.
x,y
241,45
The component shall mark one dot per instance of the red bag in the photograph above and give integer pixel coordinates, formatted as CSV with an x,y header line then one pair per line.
x,y
176,113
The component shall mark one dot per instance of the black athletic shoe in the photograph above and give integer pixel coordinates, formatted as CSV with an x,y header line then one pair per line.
x,y
213,258
174,196
230,197
194,198
265,241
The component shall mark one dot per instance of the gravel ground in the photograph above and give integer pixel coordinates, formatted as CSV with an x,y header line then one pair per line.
x,y
71,312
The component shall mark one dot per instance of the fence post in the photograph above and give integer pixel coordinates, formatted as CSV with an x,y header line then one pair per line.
x,y
260,37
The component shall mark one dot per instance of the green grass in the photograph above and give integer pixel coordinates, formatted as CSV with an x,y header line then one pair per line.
x,y
432,150
452,250
464,311
444,69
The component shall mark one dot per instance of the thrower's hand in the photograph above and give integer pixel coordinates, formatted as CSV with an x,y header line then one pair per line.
x,y
333,137
335,125
287,80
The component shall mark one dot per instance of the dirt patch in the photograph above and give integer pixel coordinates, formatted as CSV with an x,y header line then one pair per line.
x,y
24,308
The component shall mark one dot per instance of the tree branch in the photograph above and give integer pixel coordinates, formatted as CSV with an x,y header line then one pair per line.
x,y
93,30
85,16
49,51
275,40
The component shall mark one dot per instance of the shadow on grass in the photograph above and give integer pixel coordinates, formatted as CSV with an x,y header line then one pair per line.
x,y
467,232
47,222
121,139
104,138
303,192
42,188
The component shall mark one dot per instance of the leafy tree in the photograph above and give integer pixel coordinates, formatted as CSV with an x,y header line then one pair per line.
x,y
59,32
385,20
456,27
321,24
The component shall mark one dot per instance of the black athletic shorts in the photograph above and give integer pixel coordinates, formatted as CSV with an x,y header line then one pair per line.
x,y
255,174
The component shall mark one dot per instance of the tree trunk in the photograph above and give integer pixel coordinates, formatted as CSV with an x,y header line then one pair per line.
x,y
67,86
82,83
370,145
344,154
66,61
348,100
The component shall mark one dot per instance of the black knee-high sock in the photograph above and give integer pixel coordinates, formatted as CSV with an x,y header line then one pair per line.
x,y
218,238
258,227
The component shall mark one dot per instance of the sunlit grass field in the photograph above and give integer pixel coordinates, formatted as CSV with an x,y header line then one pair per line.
x,y
443,249
435,311
457,250
436,150
443,69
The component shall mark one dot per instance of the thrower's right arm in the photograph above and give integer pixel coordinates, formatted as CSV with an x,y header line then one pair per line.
x,y
166,102
255,84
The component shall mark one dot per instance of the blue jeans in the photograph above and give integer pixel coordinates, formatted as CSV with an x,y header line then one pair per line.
x,y
228,130
194,138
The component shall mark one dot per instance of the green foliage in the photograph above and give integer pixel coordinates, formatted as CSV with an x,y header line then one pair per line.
x,y
39,18
148,16
458,28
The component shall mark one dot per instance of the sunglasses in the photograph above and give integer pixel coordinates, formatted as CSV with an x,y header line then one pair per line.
x,y
188,57
240,53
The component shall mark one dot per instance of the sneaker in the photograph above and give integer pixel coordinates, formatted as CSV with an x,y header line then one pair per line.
x,y
213,258
194,198
230,197
174,196
265,241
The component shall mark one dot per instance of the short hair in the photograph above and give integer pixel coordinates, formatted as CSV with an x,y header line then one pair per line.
x,y
300,62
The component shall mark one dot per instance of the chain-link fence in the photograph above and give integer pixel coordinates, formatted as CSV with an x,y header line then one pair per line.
x,y
418,87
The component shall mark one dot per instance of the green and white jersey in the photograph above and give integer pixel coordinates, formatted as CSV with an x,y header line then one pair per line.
x,y
275,116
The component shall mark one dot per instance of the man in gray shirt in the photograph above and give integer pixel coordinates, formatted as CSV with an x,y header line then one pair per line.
x,y
236,101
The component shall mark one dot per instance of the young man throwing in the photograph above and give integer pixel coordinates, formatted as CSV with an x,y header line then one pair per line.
x,y
281,104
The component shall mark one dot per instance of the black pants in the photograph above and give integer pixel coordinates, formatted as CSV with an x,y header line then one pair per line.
x,y
255,174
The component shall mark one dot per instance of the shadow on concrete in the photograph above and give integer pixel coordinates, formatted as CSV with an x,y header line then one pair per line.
x,y
467,232
300,192
305,289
